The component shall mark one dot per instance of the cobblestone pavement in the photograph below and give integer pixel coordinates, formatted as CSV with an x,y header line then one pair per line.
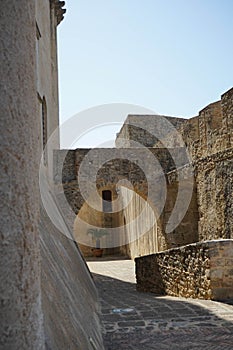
x,y
134,320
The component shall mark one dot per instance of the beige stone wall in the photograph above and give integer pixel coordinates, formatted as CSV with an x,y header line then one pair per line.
x,y
221,269
21,316
214,167
47,73
65,314
201,270
208,138
88,216
69,296
214,190
146,241
209,132
187,230
140,224
145,130
113,166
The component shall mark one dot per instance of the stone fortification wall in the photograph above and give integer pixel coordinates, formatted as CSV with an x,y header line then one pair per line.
x,y
48,14
209,138
69,297
214,190
127,164
213,162
21,316
123,164
145,130
46,62
209,132
140,225
201,270
59,309
156,238
181,180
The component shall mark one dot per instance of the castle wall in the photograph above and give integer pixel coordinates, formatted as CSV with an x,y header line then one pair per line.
x,y
69,296
46,59
91,213
140,225
145,130
47,75
214,190
208,138
156,238
187,230
21,315
115,165
201,270
213,163
48,299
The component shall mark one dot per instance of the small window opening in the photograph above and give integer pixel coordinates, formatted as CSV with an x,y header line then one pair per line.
x,y
107,201
44,130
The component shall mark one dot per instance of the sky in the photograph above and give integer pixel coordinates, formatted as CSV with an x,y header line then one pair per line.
x,y
172,57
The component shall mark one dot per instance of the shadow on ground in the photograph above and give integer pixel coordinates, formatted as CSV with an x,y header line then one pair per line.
x,y
107,258
135,320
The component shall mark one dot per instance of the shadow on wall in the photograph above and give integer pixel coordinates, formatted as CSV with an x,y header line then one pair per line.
x,y
69,297
98,214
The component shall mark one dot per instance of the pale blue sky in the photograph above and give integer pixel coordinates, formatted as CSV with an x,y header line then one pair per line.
x,y
170,56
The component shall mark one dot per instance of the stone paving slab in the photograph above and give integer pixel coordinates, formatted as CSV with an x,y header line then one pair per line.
x,y
134,320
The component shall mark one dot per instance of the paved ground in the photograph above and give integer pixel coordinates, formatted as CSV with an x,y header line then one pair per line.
x,y
133,320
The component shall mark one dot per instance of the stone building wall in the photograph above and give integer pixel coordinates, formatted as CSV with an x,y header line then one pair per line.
x,y
187,230
140,225
122,164
213,162
214,189
114,165
145,130
21,315
49,14
200,270
156,238
69,297
208,139
57,310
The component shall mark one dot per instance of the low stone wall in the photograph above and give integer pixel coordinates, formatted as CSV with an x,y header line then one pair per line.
x,y
201,270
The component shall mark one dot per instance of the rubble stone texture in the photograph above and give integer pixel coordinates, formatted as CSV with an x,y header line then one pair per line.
x,y
202,270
